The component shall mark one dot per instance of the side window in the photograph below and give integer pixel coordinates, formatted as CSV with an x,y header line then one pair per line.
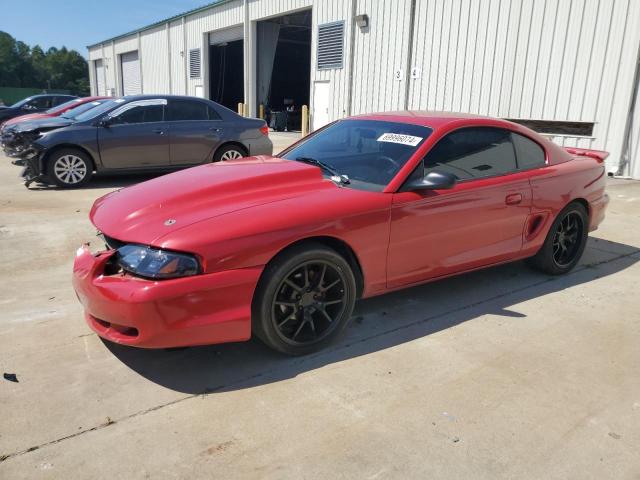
x,y
529,153
475,152
181,110
60,100
139,114
213,115
40,103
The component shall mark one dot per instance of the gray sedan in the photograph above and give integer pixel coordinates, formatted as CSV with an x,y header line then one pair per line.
x,y
142,133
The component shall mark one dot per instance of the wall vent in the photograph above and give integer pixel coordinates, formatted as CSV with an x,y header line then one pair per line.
x,y
330,45
194,63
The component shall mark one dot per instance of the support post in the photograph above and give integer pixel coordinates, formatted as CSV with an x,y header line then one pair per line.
x,y
261,113
305,120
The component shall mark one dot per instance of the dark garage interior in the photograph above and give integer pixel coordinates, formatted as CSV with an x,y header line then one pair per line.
x,y
226,74
284,67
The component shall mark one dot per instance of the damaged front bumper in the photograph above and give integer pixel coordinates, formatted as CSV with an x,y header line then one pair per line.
x,y
197,310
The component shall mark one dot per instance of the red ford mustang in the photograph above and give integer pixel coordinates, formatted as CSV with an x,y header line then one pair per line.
x,y
282,247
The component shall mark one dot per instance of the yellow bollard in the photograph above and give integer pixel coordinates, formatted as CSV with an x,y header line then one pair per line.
x,y
240,109
262,111
305,120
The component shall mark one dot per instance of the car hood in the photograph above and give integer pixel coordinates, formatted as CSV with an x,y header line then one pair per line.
x,y
42,124
146,212
28,117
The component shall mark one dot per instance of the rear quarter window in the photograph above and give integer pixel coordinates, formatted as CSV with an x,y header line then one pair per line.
x,y
187,110
528,152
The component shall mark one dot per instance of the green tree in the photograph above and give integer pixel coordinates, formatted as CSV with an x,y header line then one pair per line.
x,y
9,61
23,66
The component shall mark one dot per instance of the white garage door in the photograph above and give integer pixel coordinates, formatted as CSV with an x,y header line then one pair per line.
x,y
130,63
100,86
226,35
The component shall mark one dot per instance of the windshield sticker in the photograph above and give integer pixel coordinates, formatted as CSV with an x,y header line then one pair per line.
x,y
400,138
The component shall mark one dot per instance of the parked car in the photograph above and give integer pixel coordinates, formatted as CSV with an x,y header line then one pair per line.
x,y
144,133
52,112
17,137
34,104
282,247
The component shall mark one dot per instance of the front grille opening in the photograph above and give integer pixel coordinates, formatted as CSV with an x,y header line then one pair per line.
x,y
126,331
112,267
121,329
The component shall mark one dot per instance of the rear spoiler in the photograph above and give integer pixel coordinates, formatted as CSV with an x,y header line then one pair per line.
x,y
585,152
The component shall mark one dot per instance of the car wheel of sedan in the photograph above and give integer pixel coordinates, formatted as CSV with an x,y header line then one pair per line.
x,y
70,168
304,299
565,241
229,152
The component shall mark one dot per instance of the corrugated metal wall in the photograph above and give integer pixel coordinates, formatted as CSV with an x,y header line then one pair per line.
x,y
380,50
177,55
545,59
326,11
154,59
570,60
264,9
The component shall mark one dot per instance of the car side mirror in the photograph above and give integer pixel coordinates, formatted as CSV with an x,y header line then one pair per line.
x,y
28,107
434,180
105,122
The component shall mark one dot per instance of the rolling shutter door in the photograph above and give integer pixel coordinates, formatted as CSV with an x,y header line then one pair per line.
x,y
130,67
100,86
227,35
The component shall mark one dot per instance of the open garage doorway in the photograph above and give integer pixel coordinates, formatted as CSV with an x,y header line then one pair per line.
x,y
284,68
226,67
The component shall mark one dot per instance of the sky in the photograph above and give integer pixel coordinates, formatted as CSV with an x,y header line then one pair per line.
x,y
78,23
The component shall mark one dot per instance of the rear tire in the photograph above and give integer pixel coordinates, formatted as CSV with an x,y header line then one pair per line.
x,y
565,242
304,300
69,168
229,152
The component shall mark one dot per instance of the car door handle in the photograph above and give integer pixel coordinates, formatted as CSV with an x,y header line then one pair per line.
x,y
215,129
159,131
513,199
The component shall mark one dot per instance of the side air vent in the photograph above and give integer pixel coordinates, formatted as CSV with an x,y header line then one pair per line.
x,y
194,63
330,45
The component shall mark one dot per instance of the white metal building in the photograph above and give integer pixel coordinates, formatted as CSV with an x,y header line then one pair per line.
x,y
568,68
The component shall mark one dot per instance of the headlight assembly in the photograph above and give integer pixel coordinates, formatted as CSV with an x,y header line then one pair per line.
x,y
156,264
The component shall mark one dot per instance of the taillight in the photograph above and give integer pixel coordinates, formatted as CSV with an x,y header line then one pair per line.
x,y
264,130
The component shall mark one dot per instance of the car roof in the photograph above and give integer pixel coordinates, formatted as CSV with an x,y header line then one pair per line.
x,y
177,97
432,119
51,95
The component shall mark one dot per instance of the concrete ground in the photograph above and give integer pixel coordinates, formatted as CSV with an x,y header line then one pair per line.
x,y
503,373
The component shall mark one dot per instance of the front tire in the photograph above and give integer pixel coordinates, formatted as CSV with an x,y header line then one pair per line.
x,y
304,300
69,168
565,242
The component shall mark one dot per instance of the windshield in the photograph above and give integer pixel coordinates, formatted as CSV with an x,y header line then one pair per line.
x,y
369,152
96,110
74,113
61,107
21,102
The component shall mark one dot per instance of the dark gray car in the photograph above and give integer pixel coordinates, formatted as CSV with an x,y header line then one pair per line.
x,y
143,133
33,104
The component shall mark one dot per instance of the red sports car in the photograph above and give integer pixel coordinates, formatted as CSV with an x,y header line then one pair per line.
x,y
52,112
281,247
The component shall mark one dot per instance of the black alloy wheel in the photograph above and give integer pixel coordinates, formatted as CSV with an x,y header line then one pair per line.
x,y
567,239
304,299
565,242
309,302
